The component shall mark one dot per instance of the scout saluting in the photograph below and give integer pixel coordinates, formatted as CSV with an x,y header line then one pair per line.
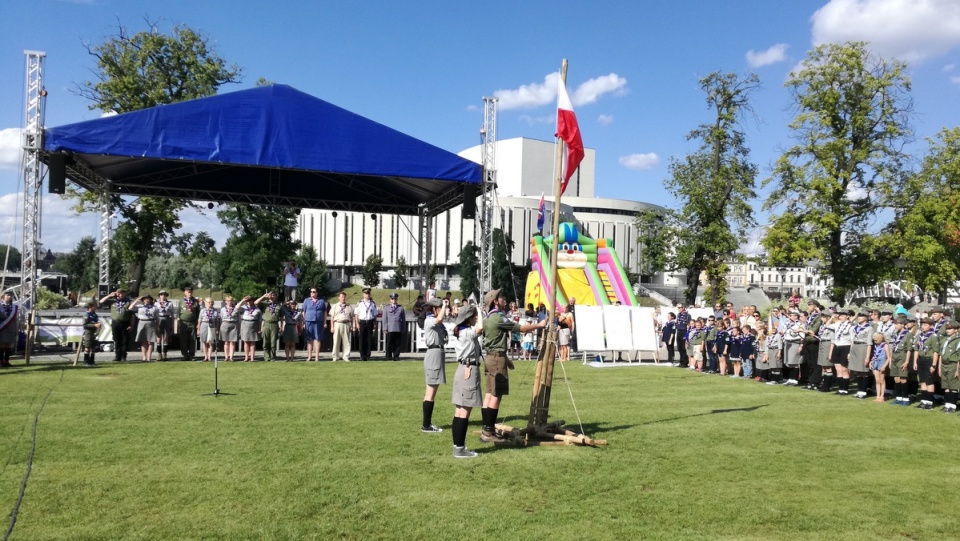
x,y
91,326
164,325
466,382
147,319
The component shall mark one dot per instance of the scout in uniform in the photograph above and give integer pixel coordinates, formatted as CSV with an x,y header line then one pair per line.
x,y
774,359
270,323
147,320
434,336
709,337
859,364
900,348
249,328
825,334
189,317
91,326
394,321
792,348
496,339
926,353
9,332
683,323
366,314
939,322
165,317
695,345
840,351
207,325
761,364
120,322
950,366
466,382
229,327
341,319
811,345
292,322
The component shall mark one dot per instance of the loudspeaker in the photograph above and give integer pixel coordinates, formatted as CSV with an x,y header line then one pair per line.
x,y
469,201
57,165
102,291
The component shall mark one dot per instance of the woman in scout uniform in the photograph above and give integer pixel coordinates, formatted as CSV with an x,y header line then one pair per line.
x,y
950,366
91,326
120,322
900,360
292,322
249,328
773,356
793,348
229,327
434,336
165,317
880,357
466,382
271,313
207,328
147,321
189,315
859,364
840,351
926,350
825,338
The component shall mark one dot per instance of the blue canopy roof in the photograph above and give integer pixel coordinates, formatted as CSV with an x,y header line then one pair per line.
x,y
269,145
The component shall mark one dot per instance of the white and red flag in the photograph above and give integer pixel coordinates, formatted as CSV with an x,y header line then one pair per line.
x,y
569,131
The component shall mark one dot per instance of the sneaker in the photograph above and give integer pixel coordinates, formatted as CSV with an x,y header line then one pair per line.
x,y
490,437
463,452
735,376
432,429
860,396
773,383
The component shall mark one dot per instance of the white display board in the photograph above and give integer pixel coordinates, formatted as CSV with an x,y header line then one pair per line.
x,y
644,331
616,324
589,328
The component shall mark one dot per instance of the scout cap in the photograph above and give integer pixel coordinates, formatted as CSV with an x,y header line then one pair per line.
x,y
491,296
394,296
926,320
953,324
188,288
162,292
365,290
464,315
936,310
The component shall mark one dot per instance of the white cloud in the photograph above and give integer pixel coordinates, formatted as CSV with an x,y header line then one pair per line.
x,y
538,94
776,53
948,68
10,148
61,228
911,30
955,79
640,162
605,120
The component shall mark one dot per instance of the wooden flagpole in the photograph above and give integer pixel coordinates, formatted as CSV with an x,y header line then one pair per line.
x,y
538,430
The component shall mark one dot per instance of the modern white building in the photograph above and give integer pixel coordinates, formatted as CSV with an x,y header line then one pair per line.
x,y
524,172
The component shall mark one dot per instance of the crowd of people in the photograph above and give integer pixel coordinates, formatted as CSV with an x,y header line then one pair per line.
x,y
912,359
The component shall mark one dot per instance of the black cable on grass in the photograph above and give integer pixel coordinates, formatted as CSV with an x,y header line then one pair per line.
x,y
33,450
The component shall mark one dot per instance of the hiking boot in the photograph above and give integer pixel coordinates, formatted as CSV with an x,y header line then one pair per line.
x,y
490,437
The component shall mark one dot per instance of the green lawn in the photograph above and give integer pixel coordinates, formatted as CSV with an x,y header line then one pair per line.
x,y
333,451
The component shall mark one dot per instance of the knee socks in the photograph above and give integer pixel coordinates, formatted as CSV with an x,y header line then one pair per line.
x,y
459,430
427,413
862,384
489,418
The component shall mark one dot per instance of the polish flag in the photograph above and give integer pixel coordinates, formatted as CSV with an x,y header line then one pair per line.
x,y
569,131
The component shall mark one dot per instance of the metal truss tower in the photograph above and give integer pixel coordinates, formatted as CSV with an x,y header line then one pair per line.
x,y
485,224
32,177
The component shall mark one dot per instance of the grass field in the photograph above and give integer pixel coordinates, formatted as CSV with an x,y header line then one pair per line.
x,y
333,451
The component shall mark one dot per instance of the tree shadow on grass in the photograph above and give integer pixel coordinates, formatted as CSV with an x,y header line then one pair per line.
x,y
711,412
51,367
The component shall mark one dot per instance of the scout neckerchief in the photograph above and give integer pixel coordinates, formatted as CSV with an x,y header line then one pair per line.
x,y
188,302
344,307
291,314
879,351
771,341
900,336
120,304
937,325
812,317
145,310
393,308
366,305
162,306
10,313
844,327
250,311
922,342
272,307
209,313
858,328
883,329
696,333
943,350
92,317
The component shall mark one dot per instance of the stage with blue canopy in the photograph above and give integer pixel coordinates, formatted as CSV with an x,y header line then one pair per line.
x,y
271,145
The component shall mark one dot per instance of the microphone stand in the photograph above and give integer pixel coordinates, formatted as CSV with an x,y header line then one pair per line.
x,y
216,383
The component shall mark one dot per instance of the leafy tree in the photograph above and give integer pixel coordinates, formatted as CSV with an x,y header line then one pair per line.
x,y
371,270
139,71
81,265
48,300
469,270
261,240
13,260
852,121
714,186
926,231
401,273
313,270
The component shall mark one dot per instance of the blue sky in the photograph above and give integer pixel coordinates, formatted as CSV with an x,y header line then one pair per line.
x,y
423,68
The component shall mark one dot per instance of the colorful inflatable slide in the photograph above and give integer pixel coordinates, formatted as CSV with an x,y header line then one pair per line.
x,y
588,270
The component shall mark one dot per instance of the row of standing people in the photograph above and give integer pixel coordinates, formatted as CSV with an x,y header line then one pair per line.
x,y
247,321
821,348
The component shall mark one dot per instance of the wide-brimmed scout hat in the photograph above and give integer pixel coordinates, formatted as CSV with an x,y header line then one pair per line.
x,y
465,314
491,296
953,324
